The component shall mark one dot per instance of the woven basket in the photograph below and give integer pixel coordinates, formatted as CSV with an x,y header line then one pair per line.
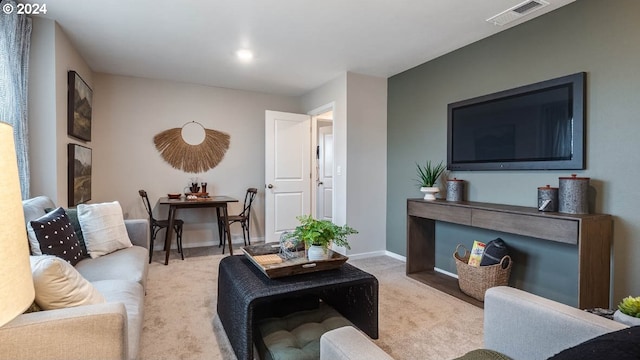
x,y
475,280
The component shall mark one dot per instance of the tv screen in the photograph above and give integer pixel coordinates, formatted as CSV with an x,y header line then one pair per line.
x,y
538,126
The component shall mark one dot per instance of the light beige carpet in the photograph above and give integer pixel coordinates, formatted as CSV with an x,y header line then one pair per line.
x,y
415,321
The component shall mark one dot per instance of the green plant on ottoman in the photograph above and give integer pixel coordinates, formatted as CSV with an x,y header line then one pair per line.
x,y
318,235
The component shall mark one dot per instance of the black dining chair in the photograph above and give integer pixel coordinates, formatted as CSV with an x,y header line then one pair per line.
x,y
244,218
156,225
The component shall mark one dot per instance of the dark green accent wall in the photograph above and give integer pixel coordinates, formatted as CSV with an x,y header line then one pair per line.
x,y
596,36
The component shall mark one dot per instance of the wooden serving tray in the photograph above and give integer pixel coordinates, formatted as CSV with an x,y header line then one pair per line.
x,y
266,257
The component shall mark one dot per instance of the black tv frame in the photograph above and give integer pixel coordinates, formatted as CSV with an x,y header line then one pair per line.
x,y
577,162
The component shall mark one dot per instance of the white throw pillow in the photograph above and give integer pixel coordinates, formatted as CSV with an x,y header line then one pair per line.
x,y
34,245
59,285
103,228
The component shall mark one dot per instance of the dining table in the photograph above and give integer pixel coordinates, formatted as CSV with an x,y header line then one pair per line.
x,y
219,202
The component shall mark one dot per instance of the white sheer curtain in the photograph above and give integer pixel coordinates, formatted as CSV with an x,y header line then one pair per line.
x,y
15,39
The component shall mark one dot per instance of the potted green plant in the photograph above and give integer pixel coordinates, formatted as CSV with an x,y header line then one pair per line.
x,y
428,175
628,311
318,235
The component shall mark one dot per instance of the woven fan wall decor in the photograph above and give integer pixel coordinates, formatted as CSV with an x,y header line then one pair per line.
x,y
192,158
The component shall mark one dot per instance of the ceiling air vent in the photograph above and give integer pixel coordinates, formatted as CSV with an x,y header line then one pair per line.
x,y
517,12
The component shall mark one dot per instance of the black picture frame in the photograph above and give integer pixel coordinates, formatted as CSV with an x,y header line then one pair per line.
x,y
80,97
79,174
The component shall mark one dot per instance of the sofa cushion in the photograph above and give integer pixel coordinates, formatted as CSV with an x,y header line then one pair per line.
x,y
57,236
618,345
131,294
126,264
103,228
58,284
73,219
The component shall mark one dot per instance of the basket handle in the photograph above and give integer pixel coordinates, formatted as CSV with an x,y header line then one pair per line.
x,y
505,262
458,251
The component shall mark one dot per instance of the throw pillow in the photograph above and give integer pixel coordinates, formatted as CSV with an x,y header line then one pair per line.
x,y
619,345
103,228
73,218
57,236
59,285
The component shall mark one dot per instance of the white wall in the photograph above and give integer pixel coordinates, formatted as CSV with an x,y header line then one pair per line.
x,y
367,159
52,56
360,122
129,112
334,91
42,108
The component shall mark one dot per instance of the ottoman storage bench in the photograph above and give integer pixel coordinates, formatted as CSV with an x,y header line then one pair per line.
x,y
297,336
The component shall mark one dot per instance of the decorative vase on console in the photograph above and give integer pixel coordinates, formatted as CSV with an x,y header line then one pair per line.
x,y
428,175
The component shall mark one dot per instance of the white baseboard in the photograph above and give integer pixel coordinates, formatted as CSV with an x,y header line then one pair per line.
x,y
444,272
377,253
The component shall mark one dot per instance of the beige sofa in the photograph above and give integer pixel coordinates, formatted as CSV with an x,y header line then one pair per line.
x,y
518,324
110,330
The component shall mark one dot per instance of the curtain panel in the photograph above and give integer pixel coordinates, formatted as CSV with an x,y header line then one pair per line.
x,y
15,40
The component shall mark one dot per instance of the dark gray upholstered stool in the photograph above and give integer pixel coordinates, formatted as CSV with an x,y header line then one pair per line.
x,y
297,336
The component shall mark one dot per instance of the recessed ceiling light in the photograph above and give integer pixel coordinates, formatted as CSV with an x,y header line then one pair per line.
x,y
244,55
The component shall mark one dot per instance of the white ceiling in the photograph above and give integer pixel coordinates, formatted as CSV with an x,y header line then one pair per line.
x,y
298,44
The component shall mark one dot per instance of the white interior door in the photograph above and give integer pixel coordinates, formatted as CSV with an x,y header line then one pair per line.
x,y
325,173
287,171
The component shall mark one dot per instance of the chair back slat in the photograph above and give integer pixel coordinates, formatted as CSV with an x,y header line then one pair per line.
x,y
147,204
248,200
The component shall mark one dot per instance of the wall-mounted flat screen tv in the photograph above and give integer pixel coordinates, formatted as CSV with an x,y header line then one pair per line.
x,y
537,126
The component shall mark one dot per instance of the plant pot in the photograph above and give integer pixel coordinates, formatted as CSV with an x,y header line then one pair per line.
x,y
621,317
316,252
430,192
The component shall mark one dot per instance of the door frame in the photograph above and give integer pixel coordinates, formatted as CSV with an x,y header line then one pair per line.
x,y
314,145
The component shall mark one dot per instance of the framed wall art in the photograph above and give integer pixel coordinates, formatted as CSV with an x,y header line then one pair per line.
x,y
79,174
79,107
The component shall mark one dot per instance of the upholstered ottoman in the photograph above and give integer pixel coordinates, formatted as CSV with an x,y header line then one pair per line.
x,y
297,336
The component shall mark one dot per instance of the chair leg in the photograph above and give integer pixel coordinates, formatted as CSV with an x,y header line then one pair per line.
x,y
244,235
151,242
179,238
248,234
223,238
151,247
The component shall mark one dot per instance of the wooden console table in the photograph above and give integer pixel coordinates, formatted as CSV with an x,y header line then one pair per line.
x,y
591,235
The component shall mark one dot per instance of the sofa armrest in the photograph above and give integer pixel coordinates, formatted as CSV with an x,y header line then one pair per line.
x,y
526,326
84,332
347,343
138,230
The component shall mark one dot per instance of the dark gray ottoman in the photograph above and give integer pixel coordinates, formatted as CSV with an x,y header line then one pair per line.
x,y
297,336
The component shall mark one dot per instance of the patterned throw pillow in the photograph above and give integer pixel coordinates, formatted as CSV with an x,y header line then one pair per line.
x,y
57,236
73,219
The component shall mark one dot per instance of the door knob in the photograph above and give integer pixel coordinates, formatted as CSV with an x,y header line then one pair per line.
x,y
270,186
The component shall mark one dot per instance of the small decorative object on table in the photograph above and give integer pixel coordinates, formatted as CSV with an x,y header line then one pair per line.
x,y
628,311
427,177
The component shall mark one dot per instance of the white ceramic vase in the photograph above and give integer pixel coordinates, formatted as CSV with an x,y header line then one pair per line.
x,y
430,192
621,317
316,252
